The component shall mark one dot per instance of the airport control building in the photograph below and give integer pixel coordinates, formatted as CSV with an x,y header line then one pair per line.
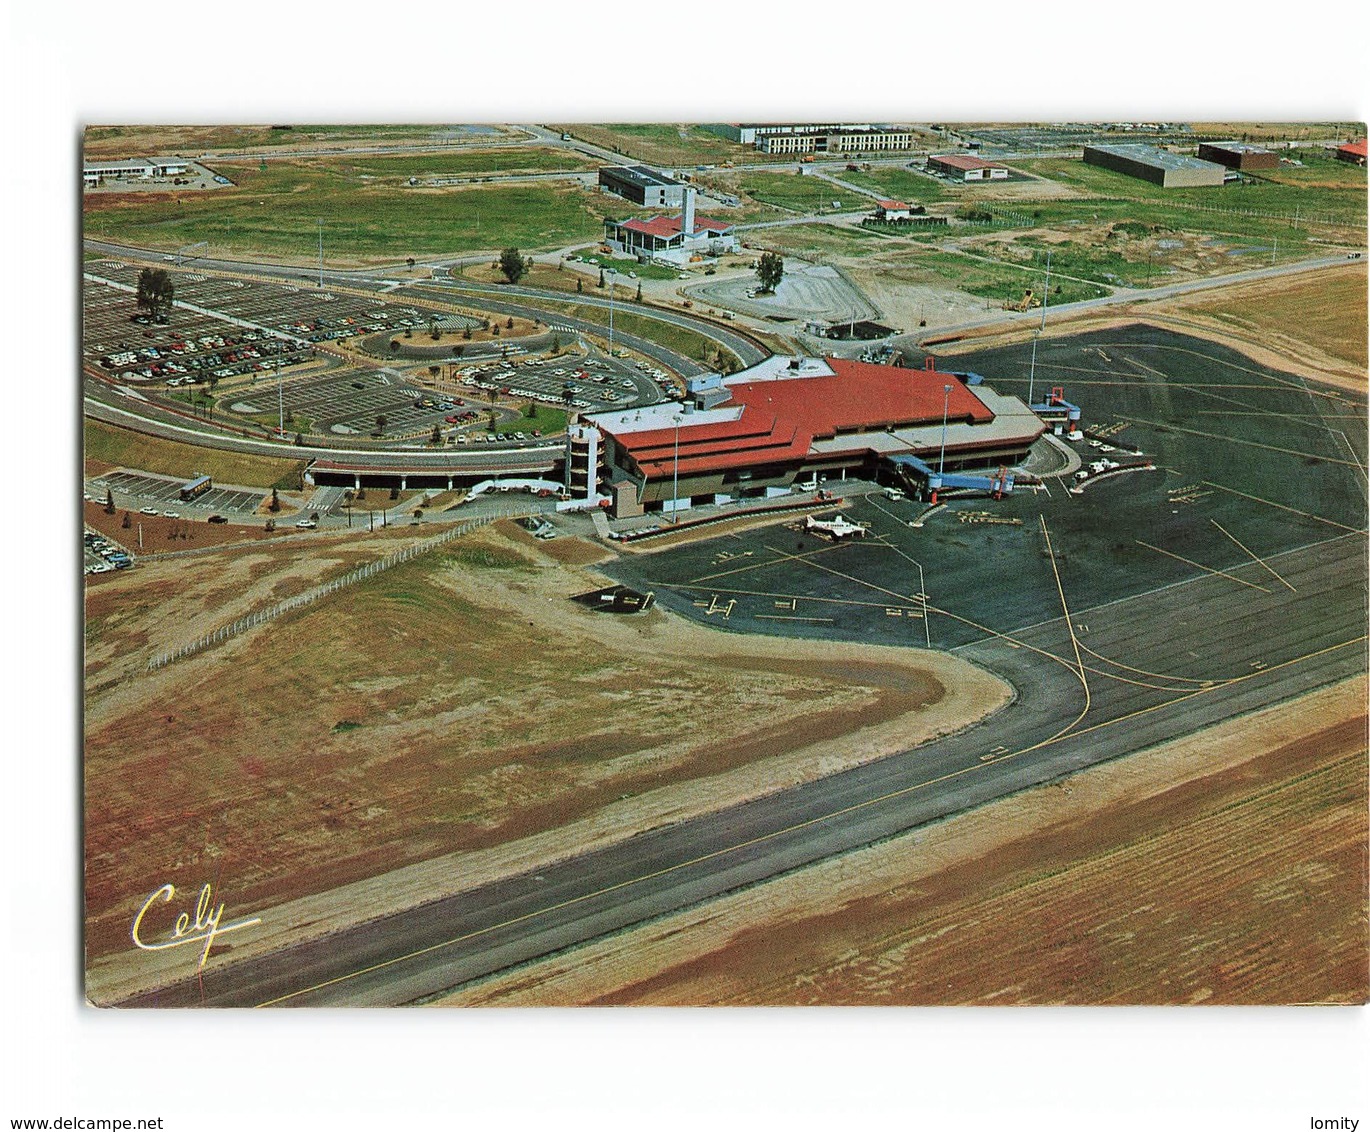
x,y
764,429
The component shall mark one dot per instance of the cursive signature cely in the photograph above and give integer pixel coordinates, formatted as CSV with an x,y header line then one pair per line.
x,y
205,926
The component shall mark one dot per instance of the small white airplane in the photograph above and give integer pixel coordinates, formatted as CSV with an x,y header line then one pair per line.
x,y
837,527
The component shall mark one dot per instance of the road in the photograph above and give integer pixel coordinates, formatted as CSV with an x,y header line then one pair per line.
x,y
1064,718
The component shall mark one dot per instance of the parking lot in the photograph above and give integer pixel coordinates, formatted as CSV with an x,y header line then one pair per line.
x,y
191,346
140,489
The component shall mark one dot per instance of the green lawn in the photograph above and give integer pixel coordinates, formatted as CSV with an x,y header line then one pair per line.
x,y
546,419
448,163
1215,208
798,193
673,337
1000,282
623,266
277,211
902,184
663,144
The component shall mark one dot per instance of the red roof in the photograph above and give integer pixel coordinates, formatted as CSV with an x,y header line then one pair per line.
x,y
892,205
781,418
667,226
1355,148
965,161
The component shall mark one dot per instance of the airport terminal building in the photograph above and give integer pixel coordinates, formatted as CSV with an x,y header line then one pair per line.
x,y
762,430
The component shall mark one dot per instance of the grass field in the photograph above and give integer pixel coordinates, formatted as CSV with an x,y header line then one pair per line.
x,y
546,419
464,162
1326,311
663,144
277,211
797,193
128,141
623,266
998,282
123,448
1212,209
821,240
456,702
903,184
1238,877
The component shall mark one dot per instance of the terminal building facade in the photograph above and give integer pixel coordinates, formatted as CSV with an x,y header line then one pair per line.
x,y
764,429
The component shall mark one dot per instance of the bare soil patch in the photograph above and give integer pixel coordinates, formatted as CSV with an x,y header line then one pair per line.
x,y
1226,867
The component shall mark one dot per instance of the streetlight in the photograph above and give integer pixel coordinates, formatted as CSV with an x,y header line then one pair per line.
x,y
946,400
320,224
1046,293
1032,366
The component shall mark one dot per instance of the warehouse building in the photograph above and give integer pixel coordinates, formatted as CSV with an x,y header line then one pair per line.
x,y
1159,166
1239,155
964,167
1353,152
642,185
762,430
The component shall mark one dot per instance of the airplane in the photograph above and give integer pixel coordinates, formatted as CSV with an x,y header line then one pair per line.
x,y
837,527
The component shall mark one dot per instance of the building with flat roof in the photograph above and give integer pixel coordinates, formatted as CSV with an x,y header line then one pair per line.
x,y
1239,155
1159,166
673,239
763,429
964,167
642,185
93,172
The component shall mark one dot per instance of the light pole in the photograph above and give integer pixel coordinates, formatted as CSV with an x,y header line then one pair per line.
x,y
320,224
1032,366
280,403
942,456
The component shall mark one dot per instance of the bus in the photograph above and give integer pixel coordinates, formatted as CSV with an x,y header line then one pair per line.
x,y
195,488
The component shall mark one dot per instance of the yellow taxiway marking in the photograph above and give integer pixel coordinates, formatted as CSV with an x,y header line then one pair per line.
x,y
1254,556
1282,507
1200,566
782,556
853,808
1070,626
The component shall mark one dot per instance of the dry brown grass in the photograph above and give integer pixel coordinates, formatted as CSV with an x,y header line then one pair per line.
x,y
456,704
1228,868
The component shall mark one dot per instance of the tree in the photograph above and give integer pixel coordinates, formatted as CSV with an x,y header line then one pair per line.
x,y
275,504
436,438
466,334
769,268
512,265
299,440
510,324
601,278
433,331
580,286
639,292
394,491
434,370
127,521
155,291
410,261
109,502
394,344
380,423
